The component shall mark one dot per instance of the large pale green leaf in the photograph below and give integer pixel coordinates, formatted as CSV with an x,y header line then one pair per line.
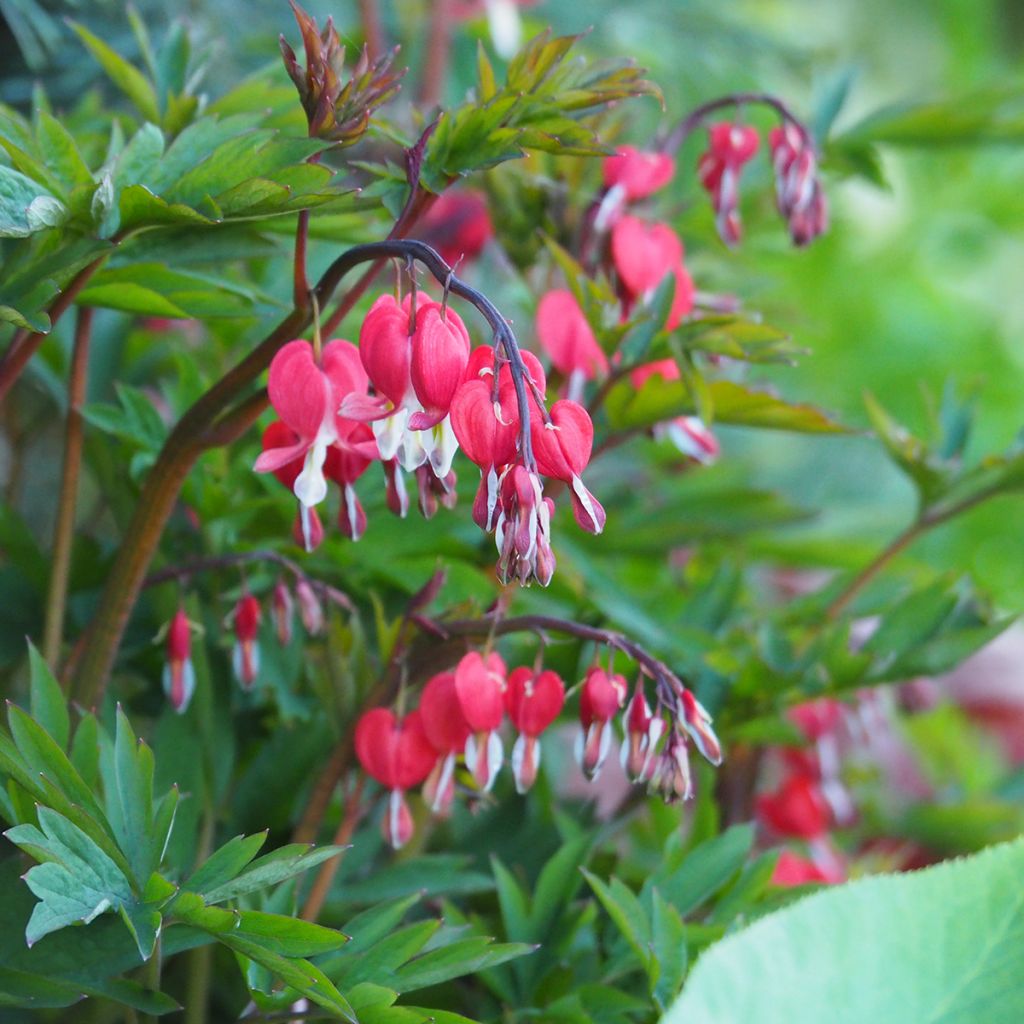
x,y
49,708
941,946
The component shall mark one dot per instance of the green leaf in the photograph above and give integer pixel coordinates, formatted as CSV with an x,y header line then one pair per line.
x,y
127,771
513,902
125,76
909,453
659,400
49,708
301,975
77,882
704,869
17,196
626,911
668,951
911,621
60,152
467,956
275,867
941,944
225,864
289,936
42,755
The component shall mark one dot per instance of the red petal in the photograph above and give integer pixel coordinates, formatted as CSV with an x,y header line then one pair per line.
x,y
441,714
565,335
563,446
644,253
480,693
484,438
534,702
384,347
440,354
299,391
639,173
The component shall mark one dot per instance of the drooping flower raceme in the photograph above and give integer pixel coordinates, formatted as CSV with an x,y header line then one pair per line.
x,y
798,192
730,146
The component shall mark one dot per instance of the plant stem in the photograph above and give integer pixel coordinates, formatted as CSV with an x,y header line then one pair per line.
x,y
373,34
24,343
322,884
212,563
56,597
696,117
926,521
200,959
188,440
435,64
300,296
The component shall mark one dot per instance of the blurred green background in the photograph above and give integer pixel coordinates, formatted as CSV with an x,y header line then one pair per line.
x,y
916,285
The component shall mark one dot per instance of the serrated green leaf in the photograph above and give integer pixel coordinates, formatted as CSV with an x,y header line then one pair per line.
x,y
77,881
60,152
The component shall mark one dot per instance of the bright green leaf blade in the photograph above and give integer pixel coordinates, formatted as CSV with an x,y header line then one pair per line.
x,y
940,945
125,76
49,707
284,863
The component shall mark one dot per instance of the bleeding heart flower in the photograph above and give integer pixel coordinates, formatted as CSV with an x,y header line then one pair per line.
x,y
601,696
792,869
245,656
798,191
642,730
533,701
346,462
563,332
307,531
638,173
179,676
311,611
480,689
458,225
440,353
283,608
562,448
644,253
307,395
398,755
671,775
522,531
447,730
697,722
730,147
798,808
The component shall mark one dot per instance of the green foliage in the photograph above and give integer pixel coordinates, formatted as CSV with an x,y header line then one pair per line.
x,y
537,108
855,954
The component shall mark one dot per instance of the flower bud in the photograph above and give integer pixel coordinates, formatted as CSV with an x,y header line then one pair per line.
x,y
179,678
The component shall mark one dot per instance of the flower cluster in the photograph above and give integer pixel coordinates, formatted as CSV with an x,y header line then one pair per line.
x,y
179,678
461,712
808,800
640,255
799,195
412,392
